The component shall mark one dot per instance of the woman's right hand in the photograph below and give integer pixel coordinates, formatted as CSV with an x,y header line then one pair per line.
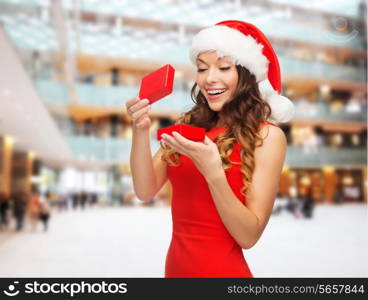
x,y
138,110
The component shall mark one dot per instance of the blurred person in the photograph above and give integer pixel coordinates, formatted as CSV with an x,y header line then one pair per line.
x,y
75,200
4,206
292,199
337,196
48,195
52,198
34,209
127,189
83,199
223,187
279,205
62,202
20,200
298,207
295,203
44,213
310,142
94,199
308,204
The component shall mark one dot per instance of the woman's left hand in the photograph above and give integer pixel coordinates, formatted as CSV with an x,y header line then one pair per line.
x,y
205,155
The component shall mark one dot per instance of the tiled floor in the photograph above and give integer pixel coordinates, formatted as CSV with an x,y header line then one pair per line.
x,y
132,242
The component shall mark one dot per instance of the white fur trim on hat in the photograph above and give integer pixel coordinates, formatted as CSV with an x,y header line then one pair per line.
x,y
282,109
230,42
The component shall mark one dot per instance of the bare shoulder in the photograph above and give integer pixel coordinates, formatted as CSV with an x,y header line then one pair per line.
x,y
272,134
273,139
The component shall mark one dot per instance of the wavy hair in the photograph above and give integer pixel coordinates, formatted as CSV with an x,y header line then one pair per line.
x,y
242,116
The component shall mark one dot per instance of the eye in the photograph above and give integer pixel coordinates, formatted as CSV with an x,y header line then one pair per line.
x,y
225,68
199,70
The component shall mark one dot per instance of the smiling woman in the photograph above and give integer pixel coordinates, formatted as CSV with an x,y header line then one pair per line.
x,y
217,79
223,187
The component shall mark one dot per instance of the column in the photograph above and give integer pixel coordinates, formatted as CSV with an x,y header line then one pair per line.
x,y
22,164
284,182
330,179
6,151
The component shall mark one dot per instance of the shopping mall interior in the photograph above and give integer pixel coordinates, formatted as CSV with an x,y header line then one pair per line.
x,y
68,67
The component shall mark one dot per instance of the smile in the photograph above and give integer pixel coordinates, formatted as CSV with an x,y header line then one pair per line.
x,y
216,92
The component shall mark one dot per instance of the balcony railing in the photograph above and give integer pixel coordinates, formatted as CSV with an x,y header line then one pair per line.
x,y
117,150
322,111
299,156
32,34
179,101
316,69
110,150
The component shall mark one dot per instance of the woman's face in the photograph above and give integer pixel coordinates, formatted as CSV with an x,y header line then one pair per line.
x,y
217,78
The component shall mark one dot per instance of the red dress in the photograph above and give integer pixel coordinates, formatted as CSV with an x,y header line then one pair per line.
x,y
201,246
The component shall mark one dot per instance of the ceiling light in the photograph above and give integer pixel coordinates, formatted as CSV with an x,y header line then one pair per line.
x,y
9,140
32,154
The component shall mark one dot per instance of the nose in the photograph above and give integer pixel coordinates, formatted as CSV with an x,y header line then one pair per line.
x,y
212,76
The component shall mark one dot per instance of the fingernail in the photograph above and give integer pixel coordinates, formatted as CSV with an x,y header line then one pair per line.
x,y
145,101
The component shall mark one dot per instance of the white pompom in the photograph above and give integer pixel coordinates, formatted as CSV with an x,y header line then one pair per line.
x,y
282,108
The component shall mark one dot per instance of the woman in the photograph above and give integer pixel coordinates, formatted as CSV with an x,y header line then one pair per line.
x,y
34,209
223,187
4,205
20,200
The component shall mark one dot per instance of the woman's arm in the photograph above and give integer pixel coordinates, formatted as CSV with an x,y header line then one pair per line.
x,y
149,174
247,223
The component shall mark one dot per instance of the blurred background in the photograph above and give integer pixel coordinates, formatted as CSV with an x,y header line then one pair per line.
x,y
66,198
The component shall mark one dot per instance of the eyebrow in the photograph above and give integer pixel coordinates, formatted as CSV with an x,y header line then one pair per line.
x,y
201,60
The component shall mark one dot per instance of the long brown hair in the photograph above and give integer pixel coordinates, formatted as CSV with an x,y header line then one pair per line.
x,y
242,116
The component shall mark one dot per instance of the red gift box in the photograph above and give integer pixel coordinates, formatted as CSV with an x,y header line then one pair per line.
x,y
190,132
157,84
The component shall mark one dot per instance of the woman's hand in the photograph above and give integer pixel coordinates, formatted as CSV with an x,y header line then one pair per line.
x,y
138,110
205,155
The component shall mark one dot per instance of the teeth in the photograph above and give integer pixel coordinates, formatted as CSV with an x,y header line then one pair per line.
x,y
213,92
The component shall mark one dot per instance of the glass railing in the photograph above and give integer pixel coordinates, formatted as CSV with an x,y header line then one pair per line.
x,y
36,35
179,101
111,96
322,111
110,150
299,156
52,91
117,150
315,69
115,96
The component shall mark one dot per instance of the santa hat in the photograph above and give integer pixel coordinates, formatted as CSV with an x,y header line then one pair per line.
x,y
248,47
